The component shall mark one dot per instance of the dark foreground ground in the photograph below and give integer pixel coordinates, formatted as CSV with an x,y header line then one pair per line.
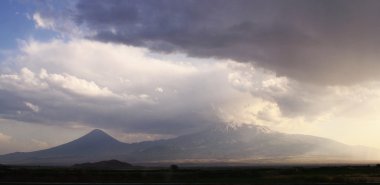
x,y
195,175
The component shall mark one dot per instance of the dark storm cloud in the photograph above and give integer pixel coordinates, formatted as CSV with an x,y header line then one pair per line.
x,y
318,41
62,98
106,113
62,108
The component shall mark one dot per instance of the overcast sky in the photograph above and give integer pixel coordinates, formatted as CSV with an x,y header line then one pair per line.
x,y
153,69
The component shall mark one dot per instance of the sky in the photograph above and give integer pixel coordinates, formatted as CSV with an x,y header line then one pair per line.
x,y
154,69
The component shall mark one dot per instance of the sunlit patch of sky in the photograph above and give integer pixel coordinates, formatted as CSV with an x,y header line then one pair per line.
x,y
17,25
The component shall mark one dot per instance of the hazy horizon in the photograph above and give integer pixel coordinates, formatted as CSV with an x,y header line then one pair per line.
x,y
147,70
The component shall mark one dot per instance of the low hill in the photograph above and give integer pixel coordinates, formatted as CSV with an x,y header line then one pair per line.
x,y
110,164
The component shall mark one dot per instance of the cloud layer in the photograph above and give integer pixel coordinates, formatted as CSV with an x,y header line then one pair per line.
x,y
317,41
88,83
113,86
144,95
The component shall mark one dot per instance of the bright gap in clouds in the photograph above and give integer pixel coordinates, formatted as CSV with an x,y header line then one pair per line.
x,y
140,95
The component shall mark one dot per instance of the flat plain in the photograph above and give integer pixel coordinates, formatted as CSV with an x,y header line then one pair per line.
x,y
354,174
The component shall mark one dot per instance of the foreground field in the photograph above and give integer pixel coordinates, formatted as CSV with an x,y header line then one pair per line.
x,y
201,175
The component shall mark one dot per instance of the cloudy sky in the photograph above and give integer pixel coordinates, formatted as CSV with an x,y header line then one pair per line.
x,y
152,69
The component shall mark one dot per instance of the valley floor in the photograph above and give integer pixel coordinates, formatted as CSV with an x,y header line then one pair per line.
x,y
202,175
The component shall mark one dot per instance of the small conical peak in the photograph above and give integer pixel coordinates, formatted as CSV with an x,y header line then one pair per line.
x,y
97,134
97,131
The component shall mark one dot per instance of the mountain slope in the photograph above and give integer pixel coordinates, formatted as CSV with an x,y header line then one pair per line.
x,y
93,146
220,143
245,141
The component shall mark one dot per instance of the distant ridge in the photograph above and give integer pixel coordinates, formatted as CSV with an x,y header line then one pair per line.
x,y
110,164
222,143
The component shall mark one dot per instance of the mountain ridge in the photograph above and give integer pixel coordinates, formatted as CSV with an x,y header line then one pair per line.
x,y
109,164
219,143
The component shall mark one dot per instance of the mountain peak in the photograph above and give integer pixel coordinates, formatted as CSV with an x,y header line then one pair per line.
x,y
97,135
97,132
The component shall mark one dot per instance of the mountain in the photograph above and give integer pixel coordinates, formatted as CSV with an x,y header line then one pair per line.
x,y
94,146
222,143
245,142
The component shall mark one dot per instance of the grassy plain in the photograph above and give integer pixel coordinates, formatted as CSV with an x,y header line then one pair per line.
x,y
194,175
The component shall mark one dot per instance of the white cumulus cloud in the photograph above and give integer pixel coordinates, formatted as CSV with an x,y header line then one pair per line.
x,y
32,107
43,22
